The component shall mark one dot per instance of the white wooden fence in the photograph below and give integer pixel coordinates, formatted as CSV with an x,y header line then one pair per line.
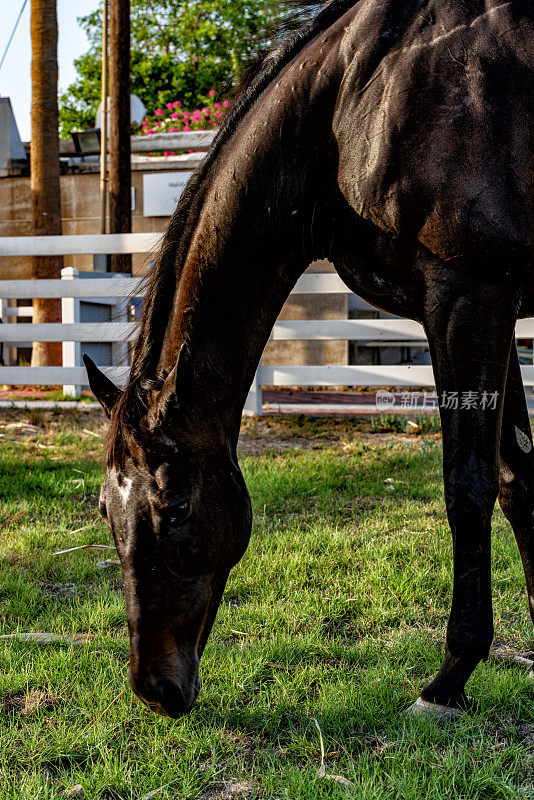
x,y
71,333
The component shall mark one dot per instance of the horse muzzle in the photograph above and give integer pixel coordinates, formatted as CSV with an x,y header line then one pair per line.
x,y
166,696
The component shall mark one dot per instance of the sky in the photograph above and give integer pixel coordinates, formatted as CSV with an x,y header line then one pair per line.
x,y
15,74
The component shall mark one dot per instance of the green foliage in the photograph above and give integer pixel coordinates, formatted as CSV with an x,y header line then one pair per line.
x,y
180,50
388,423
398,423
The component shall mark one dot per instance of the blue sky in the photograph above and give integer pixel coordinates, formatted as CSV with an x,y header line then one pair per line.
x,y
15,74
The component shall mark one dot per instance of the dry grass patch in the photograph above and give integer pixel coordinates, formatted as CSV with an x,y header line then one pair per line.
x,y
22,704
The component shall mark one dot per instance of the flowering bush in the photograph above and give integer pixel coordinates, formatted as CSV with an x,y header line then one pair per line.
x,y
173,118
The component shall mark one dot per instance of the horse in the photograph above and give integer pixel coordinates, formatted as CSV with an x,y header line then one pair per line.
x,y
395,138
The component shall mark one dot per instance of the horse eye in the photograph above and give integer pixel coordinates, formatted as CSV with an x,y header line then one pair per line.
x,y
178,512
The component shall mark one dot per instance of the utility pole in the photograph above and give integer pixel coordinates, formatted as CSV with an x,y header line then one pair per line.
x,y
44,155
104,124
120,192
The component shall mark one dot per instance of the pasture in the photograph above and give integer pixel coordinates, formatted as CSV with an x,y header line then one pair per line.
x,y
337,613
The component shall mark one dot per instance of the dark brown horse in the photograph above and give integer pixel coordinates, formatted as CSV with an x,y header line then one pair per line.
x,y
394,137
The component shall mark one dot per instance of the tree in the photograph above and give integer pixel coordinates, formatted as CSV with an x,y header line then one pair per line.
x,y
46,210
180,49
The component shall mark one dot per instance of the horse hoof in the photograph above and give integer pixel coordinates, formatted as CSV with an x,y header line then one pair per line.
x,y
422,708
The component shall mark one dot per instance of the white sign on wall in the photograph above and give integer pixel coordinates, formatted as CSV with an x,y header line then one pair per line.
x,y
161,192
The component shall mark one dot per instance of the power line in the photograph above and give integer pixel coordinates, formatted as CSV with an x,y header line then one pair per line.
x,y
15,26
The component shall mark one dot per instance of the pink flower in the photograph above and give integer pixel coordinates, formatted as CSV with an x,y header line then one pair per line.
x,y
172,130
226,103
212,92
169,153
159,112
205,111
187,128
177,104
169,105
149,132
175,115
217,105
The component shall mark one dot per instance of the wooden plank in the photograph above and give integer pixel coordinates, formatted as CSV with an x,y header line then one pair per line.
x,y
284,330
184,140
347,376
61,332
358,376
18,311
313,283
379,332
349,329
320,283
109,243
77,287
269,376
56,376
525,329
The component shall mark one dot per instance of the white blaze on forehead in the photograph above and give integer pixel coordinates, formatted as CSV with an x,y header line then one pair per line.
x,y
125,490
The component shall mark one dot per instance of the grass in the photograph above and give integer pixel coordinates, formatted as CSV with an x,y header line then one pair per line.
x,y
399,423
337,612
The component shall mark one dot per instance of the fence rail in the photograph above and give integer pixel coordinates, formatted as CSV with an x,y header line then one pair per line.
x,y
80,245
153,142
313,283
73,289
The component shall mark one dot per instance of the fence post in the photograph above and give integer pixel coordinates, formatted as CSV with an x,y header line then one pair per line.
x,y
70,313
4,346
253,404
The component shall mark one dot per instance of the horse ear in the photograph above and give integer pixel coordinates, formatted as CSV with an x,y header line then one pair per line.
x,y
176,388
103,389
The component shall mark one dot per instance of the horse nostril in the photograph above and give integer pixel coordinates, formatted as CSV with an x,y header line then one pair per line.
x,y
170,697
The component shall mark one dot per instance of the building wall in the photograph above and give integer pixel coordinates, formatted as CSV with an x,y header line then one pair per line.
x,y
80,206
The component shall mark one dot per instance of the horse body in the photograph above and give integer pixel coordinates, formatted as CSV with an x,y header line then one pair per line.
x,y
435,143
393,138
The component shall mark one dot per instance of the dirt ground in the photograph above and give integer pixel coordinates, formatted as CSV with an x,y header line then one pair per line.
x,y
258,434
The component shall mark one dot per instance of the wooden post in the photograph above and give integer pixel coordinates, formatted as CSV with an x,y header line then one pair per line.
x,y
70,313
253,404
120,193
104,122
44,153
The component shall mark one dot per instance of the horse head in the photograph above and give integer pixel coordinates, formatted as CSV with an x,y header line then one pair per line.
x,y
177,505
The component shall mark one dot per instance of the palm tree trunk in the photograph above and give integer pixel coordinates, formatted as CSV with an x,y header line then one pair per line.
x,y
45,190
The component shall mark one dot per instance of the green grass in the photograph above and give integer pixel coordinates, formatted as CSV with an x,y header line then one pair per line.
x,y
337,612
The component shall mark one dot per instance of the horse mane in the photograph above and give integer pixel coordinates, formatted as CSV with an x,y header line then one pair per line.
x,y
162,281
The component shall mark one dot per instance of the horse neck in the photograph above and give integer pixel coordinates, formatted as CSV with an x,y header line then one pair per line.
x,y
237,276
255,231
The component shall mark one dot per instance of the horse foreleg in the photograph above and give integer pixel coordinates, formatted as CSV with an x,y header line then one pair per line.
x,y
516,479
470,330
